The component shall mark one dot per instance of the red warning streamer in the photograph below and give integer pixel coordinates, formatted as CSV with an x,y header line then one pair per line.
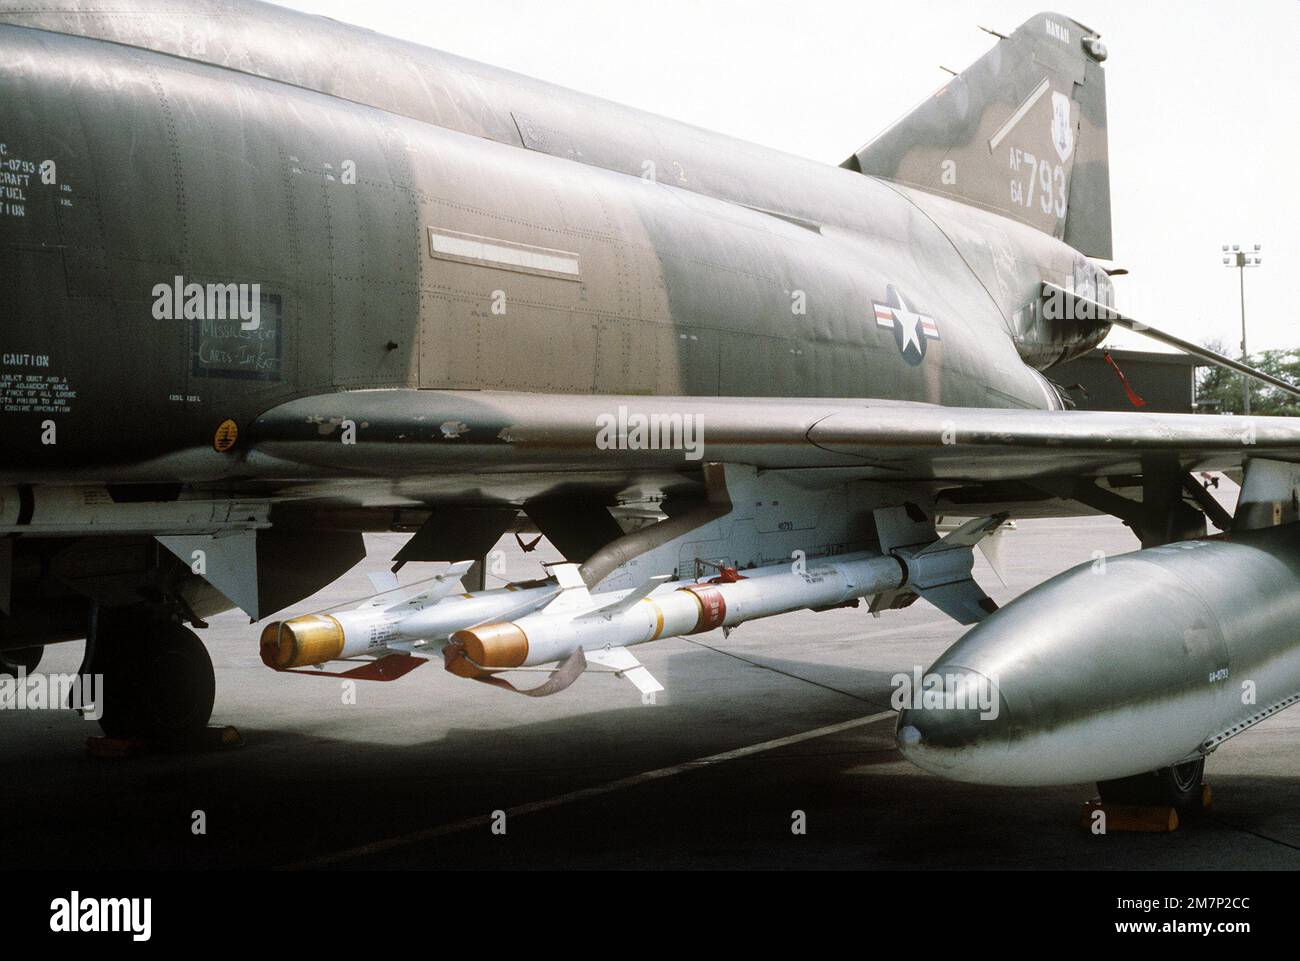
x,y
1133,397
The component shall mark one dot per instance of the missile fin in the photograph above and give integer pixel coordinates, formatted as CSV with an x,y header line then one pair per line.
x,y
610,611
941,574
388,667
568,576
643,680
964,601
625,663
382,582
445,583
574,598
991,548
968,535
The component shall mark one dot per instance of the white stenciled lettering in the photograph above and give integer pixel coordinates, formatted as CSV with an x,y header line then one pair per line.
x,y
35,393
1057,32
25,360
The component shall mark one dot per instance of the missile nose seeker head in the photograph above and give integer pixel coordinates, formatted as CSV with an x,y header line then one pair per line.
x,y
301,641
957,725
489,645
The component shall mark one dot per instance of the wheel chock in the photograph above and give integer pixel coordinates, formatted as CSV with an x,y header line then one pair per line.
x,y
1156,819
1135,818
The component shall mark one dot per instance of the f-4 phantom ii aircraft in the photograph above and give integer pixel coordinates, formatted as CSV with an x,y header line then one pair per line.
x,y
270,282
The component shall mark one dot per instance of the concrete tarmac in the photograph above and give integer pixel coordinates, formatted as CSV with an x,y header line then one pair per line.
x,y
787,721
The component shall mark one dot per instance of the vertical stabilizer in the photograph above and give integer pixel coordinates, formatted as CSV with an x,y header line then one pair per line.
x,y
1021,131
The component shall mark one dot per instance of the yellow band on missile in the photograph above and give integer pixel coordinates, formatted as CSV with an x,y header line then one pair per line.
x,y
659,618
301,641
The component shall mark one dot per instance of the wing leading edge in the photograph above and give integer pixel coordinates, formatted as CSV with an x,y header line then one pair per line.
x,y
406,434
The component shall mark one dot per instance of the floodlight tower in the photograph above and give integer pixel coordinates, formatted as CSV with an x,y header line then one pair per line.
x,y
1237,256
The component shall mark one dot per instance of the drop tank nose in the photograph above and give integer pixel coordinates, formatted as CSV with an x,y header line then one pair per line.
x,y
957,724
1101,672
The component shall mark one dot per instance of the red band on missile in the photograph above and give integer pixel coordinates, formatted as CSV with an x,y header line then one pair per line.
x,y
713,607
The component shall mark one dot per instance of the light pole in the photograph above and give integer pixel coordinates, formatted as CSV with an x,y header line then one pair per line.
x,y
1241,259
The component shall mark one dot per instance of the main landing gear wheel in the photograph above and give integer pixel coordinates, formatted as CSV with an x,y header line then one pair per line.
x,y
22,660
158,681
1178,787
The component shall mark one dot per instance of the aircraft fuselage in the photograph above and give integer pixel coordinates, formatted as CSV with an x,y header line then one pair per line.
x,y
474,230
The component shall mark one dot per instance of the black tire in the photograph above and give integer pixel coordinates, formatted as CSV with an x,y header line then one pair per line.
x,y
25,659
1178,786
158,685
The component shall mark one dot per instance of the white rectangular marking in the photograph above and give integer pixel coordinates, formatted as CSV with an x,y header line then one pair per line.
x,y
503,254
1019,115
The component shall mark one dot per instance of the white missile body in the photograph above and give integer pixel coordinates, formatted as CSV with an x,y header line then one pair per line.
x,y
427,622
525,625
380,626
578,619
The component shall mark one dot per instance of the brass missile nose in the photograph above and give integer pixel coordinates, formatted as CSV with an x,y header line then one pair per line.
x,y
488,645
270,645
301,641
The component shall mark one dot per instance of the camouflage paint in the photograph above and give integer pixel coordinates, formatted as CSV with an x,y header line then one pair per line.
x,y
213,141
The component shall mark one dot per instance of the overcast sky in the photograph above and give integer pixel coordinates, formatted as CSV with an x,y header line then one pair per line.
x,y
1203,98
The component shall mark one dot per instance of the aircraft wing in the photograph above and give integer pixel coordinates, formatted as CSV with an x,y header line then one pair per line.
x,y
407,434
981,444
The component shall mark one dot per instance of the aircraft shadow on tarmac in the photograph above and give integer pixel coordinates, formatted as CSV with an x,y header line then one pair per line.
x,y
289,797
